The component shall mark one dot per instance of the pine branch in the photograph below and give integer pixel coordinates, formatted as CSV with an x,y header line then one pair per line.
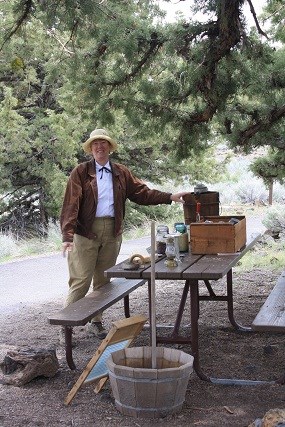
x,y
154,46
26,7
274,116
255,20
19,201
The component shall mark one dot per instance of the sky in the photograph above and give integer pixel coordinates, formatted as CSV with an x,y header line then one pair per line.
x,y
183,6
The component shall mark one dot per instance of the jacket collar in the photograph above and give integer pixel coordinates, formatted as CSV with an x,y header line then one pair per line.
x,y
91,169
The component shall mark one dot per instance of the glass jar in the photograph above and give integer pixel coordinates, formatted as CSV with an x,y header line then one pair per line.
x,y
161,232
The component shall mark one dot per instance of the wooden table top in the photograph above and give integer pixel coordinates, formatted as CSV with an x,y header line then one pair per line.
x,y
191,266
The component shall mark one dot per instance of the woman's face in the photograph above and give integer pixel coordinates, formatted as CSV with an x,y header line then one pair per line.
x,y
100,150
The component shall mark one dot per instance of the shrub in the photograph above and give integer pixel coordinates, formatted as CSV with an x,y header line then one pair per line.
x,y
8,246
274,219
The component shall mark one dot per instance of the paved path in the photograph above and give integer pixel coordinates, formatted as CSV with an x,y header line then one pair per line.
x,y
39,279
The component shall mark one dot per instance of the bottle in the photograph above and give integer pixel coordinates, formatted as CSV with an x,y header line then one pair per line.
x,y
198,209
188,232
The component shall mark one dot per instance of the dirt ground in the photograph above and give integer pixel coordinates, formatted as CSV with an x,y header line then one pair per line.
x,y
225,353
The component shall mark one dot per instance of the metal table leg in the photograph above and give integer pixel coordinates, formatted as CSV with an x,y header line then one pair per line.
x,y
127,306
194,304
231,306
181,309
175,338
194,295
68,347
193,285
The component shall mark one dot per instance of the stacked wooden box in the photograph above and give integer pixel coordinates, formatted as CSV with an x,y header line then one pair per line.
x,y
218,235
209,205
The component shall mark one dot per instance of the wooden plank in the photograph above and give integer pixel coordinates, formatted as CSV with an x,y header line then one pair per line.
x,y
271,316
211,267
164,272
119,271
83,310
214,267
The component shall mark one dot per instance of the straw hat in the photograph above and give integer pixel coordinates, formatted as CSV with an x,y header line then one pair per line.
x,y
98,134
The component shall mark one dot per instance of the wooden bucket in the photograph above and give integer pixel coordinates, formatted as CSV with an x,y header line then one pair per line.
x,y
141,391
210,205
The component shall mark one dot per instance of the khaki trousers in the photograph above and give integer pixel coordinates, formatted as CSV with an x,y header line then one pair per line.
x,y
90,258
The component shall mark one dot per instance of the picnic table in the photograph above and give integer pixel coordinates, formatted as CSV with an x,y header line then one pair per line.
x,y
193,270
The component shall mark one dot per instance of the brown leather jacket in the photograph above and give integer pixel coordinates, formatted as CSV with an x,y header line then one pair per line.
x,y
81,195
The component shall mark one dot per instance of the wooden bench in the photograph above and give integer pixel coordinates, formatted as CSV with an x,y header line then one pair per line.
x,y
83,310
271,316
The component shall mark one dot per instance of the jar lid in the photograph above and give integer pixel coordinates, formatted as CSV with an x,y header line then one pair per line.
x,y
162,228
180,226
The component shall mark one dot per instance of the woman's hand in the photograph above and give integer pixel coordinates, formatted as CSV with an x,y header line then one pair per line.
x,y
66,247
177,197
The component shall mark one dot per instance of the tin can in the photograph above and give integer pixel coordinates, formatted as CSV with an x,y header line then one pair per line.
x,y
183,241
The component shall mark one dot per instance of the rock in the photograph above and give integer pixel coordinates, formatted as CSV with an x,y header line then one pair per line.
x,y
22,366
272,418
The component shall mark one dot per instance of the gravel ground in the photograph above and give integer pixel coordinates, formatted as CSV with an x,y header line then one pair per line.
x,y
225,353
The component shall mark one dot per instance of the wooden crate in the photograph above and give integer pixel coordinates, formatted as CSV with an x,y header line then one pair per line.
x,y
218,237
210,205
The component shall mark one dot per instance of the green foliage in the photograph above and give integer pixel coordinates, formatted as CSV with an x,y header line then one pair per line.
x,y
13,248
138,216
166,91
268,254
275,11
37,138
270,167
8,246
274,219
